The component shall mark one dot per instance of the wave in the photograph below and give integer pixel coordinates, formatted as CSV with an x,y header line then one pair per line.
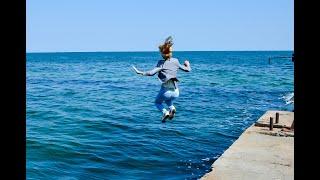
x,y
289,98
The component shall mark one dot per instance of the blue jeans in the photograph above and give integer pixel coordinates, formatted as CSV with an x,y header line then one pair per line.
x,y
166,95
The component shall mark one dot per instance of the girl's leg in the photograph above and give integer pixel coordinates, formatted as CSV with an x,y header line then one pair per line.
x,y
169,102
160,107
170,96
159,100
170,105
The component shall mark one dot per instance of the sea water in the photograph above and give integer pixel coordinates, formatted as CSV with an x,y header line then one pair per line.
x,y
89,116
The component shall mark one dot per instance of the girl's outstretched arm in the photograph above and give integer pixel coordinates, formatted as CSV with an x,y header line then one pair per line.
x,y
185,67
148,73
137,71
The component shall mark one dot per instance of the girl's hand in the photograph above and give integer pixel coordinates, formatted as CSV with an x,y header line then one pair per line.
x,y
186,63
137,71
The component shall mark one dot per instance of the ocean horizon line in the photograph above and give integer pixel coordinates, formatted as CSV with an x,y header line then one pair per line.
x,y
39,52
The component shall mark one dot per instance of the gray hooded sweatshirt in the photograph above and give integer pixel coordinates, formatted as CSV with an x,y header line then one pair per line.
x,y
167,70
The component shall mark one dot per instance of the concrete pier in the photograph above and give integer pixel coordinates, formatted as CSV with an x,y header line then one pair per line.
x,y
259,153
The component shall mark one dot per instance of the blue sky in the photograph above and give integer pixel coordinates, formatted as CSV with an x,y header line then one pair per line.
x,y
141,25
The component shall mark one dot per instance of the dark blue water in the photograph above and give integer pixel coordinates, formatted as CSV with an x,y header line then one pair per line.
x,y
90,117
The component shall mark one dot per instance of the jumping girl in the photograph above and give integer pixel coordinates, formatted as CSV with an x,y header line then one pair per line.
x,y
167,69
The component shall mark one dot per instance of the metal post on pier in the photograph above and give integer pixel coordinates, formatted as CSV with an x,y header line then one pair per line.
x,y
277,117
271,124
